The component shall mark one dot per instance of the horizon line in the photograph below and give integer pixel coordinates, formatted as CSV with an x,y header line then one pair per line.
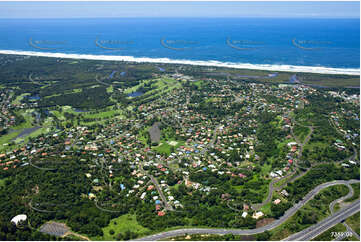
x,y
275,17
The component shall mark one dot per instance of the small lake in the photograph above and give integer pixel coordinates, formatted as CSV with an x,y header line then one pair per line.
x,y
25,132
135,94
34,98
245,76
78,110
273,75
112,74
161,69
294,79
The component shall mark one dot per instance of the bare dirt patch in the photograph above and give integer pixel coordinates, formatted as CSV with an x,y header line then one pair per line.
x,y
264,222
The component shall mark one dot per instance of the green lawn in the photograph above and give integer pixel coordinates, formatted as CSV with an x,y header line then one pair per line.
x,y
134,88
158,86
19,98
301,132
4,139
266,209
284,143
105,114
356,194
198,83
121,225
354,222
27,124
102,114
110,89
58,114
163,148
76,90
284,181
166,148
43,130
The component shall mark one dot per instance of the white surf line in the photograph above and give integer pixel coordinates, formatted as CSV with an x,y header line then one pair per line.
x,y
210,63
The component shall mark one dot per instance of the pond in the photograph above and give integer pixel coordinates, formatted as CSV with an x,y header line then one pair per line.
x,y
294,79
161,69
135,94
34,98
78,110
25,132
273,75
112,74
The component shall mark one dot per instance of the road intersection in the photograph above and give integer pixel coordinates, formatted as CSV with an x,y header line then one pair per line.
x,y
310,232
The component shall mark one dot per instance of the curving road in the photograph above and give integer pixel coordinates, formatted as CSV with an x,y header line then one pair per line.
x,y
349,195
270,226
271,188
348,228
317,229
101,82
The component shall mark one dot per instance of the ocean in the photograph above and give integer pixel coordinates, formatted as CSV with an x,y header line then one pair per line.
x,y
324,44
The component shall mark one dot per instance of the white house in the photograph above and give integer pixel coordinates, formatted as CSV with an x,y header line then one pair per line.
x,y
19,218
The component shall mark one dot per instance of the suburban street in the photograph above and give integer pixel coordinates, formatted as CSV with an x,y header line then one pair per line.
x,y
160,192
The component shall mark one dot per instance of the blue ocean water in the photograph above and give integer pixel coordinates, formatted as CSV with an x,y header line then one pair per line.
x,y
300,42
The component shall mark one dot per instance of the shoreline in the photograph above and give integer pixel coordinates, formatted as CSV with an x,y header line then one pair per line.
x,y
210,63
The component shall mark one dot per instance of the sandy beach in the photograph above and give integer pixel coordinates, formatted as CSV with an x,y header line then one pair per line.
x,y
211,63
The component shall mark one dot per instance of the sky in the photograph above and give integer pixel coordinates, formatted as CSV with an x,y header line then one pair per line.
x,y
179,9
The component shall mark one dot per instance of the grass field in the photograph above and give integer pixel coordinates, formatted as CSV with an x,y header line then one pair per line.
x,y
283,181
16,130
59,115
354,222
43,130
301,132
356,195
5,139
105,114
158,86
19,98
121,225
76,90
266,209
165,147
110,89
